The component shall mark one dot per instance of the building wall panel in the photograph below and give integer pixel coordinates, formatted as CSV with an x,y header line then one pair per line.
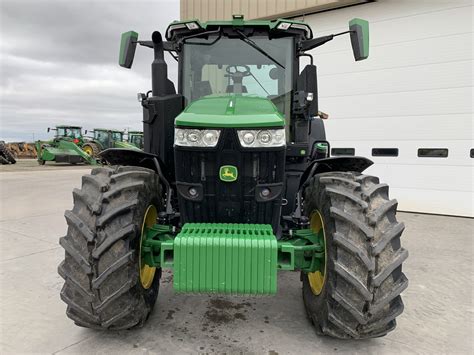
x,y
262,9
415,91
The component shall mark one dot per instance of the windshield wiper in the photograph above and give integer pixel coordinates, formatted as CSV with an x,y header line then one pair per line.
x,y
253,76
206,33
251,43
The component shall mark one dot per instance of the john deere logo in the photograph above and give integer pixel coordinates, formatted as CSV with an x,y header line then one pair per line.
x,y
228,173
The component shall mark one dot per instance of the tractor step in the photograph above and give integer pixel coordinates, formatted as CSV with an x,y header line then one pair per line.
x,y
225,258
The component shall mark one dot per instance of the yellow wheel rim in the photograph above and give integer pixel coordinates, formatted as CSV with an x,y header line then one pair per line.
x,y
317,279
88,150
147,273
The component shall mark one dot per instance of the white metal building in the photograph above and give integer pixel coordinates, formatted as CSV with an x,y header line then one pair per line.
x,y
411,101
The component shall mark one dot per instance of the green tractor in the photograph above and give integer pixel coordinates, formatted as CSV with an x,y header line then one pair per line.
x,y
135,138
235,183
105,139
65,147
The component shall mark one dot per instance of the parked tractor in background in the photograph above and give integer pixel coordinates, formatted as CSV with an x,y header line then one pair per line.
x,y
234,184
65,147
135,138
105,139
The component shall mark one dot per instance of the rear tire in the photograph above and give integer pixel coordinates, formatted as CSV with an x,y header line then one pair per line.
x,y
360,297
7,154
102,286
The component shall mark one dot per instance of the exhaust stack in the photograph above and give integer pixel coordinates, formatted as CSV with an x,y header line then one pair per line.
x,y
160,84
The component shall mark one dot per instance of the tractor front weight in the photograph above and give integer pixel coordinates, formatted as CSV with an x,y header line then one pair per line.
x,y
229,258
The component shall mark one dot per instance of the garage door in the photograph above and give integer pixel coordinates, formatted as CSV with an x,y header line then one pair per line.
x,y
409,106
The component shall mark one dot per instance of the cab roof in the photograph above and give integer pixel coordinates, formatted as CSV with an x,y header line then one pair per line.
x,y
108,129
280,25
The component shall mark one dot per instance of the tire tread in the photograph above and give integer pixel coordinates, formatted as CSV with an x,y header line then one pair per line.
x,y
100,249
365,281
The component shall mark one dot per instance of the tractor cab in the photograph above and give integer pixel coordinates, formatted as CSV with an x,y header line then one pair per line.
x,y
107,137
135,138
103,139
73,133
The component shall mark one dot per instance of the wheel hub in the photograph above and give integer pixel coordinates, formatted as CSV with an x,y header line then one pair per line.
x,y
317,279
147,273
88,150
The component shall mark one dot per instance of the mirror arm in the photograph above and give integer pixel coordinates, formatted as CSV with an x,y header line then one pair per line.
x,y
342,33
148,44
316,42
167,46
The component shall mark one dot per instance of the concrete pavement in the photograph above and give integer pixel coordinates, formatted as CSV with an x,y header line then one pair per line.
x,y
438,302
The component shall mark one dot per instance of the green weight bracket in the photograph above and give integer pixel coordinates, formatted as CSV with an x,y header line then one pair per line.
x,y
229,258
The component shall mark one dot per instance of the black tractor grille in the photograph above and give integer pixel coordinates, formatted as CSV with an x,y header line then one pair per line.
x,y
230,202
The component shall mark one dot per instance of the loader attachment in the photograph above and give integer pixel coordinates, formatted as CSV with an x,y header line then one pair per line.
x,y
62,151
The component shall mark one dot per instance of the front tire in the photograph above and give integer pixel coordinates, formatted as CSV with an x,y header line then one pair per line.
x,y
101,269
360,295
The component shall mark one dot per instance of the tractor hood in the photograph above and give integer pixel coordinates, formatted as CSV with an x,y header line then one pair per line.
x,y
230,111
126,145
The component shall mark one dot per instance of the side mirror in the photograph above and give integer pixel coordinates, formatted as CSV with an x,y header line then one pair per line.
x,y
85,132
359,38
49,129
128,44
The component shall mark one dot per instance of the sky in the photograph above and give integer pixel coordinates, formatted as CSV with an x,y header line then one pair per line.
x,y
59,63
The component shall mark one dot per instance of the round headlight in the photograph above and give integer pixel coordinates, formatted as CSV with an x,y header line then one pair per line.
x,y
210,137
264,137
248,138
194,136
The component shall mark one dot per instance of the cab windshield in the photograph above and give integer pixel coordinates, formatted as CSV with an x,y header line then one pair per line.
x,y
231,66
137,139
102,137
117,136
69,132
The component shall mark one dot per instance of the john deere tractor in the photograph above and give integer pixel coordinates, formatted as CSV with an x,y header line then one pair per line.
x,y
65,147
104,139
135,138
235,184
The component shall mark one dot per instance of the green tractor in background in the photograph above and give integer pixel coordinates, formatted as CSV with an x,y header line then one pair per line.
x,y
135,138
65,147
235,183
105,139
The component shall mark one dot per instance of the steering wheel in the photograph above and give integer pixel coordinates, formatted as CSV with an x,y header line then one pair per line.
x,y
236,72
